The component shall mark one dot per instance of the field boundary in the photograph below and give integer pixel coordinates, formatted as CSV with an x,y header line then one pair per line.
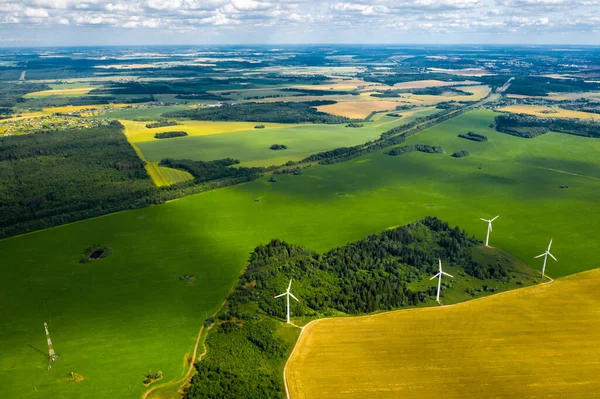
x,y
303,328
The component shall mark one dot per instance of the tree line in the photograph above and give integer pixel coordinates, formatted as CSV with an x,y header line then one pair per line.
x,y
529,126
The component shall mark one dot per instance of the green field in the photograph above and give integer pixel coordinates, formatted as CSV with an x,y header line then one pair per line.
x,y
150,113
251,147
112,320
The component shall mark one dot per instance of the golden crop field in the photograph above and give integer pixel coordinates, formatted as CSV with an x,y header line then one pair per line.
x,y
592,96
137,132
358,109
541,341
71,92
421,84
92,108
163,176
548,112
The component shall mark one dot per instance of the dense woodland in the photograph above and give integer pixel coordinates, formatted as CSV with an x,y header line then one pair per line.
x,y
168,135
528,126
213,170
375,273
541,86
61,176
428,149
280,112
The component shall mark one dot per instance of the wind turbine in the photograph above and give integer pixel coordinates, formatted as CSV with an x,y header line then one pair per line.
x,y
545,255
487,238
288,294
439,275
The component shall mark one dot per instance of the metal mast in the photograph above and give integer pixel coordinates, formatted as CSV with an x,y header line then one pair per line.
x,y
51,352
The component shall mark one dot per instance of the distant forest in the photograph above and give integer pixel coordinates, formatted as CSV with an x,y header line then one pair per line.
x,y
378,272
529,126
280,112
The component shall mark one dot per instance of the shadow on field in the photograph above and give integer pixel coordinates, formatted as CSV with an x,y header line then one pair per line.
x,y
37,350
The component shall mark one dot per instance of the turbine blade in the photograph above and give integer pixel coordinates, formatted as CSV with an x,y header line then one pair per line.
x,y
485,220
280,295
292,295
549,245
539,256
495,218
552,256
290,286
449,275
440,261
434,276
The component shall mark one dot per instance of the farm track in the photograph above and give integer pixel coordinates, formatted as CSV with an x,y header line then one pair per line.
x,y
558,171
303,329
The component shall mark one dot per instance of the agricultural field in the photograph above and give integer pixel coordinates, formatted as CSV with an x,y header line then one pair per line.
x,y
591,96
63,90
358,109
420,84
113,319
533,342
548,112
240,140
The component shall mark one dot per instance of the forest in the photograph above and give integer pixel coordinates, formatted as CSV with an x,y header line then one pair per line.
x,y
473,136
416,147
68,175
528,126
278,112
213,170
541,86
369,275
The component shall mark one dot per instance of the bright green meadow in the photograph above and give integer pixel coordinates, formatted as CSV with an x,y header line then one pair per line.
x,y
113,319
251,147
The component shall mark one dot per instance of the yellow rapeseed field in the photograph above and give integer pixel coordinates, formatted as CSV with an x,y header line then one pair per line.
x,y
548,112
541,341
60,92
358,109
420,84
137,132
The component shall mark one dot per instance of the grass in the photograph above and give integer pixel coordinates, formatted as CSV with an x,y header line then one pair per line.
x,y
116,318
533,342
251,147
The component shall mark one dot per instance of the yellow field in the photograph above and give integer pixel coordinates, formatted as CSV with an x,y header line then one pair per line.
x,y
340,84
421,84
539,111
358,109
163,176
137,132
80,91
592,96
541,341
463,72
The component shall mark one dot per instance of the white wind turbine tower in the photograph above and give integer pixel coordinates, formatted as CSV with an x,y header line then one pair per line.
x,y
489,230
439,275
288,294
545,255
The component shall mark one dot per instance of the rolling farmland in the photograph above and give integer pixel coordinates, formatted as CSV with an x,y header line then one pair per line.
x,y
135,298
534,342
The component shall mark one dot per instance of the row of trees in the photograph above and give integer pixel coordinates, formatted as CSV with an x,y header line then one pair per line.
x,y
212,170
416,147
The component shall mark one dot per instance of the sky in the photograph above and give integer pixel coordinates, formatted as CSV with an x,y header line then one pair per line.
x,y
170,22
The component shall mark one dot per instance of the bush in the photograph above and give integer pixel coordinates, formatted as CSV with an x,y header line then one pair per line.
x,y
460,154
416,147
161,123
473,136
278,147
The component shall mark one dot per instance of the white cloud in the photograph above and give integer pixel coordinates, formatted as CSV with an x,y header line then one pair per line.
x,y
36,13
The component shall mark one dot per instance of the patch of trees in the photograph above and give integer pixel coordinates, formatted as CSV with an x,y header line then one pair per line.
x,y
372,274
355,124
168,135
432,91
541,86
317,92
394,115
529,126
212,170
473,136
280,112
460,154
11,94
62,176
161,123
416,147
278,147
259,126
